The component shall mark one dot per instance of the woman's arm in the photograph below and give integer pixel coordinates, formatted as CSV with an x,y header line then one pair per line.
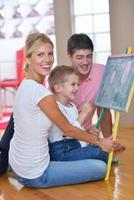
x,y
49,106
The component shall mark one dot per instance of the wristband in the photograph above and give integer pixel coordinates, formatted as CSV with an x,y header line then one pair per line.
x,y
98,140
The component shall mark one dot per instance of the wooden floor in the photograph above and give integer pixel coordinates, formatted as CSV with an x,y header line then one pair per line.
x,y
119,187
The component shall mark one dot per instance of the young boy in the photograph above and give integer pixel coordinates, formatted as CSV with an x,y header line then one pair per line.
x,y
64,83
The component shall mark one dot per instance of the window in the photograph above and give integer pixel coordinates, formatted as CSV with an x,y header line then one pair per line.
x,y
92,17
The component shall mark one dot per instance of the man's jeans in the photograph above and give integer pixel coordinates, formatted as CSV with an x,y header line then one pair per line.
x,y
4,146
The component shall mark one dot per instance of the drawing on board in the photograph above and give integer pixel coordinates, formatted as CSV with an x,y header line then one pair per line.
x,y
116,85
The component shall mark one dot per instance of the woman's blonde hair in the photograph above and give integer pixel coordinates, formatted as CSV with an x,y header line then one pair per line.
x,y
34,41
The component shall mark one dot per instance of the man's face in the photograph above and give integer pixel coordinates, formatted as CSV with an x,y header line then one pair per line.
x,y
82,60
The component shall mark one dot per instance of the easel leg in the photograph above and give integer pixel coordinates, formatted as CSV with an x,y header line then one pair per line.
x,y
115,131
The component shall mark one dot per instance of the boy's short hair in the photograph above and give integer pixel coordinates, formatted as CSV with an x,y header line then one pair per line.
x,y
58,75
79,41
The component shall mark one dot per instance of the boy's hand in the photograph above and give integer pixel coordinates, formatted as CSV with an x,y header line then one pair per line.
x,y
93,130
85,108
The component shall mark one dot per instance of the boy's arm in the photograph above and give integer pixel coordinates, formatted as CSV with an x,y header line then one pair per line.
x,y
85,109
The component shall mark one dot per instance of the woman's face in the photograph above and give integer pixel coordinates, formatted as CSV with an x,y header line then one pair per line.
x,y
42,60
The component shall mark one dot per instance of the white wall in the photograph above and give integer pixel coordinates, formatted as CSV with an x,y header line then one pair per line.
x,y
63,28
122,36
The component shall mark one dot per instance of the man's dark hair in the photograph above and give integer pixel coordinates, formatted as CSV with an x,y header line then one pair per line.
x,y
79,41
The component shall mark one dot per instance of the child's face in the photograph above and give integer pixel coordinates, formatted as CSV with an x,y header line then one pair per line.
x,y
70,87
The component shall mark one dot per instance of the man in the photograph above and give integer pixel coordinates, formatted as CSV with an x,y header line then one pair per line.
x,y
80,50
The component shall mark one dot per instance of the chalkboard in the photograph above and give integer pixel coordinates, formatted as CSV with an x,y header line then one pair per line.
x,y
116,88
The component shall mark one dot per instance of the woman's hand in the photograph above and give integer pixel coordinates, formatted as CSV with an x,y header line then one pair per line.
x,y
107,144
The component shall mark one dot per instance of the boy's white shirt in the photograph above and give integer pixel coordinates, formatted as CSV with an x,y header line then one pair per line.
x,y
71,113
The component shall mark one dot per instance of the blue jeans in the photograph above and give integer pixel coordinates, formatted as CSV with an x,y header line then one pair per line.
x,y
70,149
66,173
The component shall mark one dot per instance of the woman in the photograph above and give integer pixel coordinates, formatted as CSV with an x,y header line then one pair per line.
x,y
34,111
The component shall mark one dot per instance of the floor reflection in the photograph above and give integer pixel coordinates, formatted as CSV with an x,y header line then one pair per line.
x,y
113,185
116,187
2,195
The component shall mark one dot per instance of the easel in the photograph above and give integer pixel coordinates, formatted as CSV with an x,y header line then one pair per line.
x,y
116,124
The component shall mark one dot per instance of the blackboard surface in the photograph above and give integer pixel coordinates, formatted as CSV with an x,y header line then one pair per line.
x,y
116,86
